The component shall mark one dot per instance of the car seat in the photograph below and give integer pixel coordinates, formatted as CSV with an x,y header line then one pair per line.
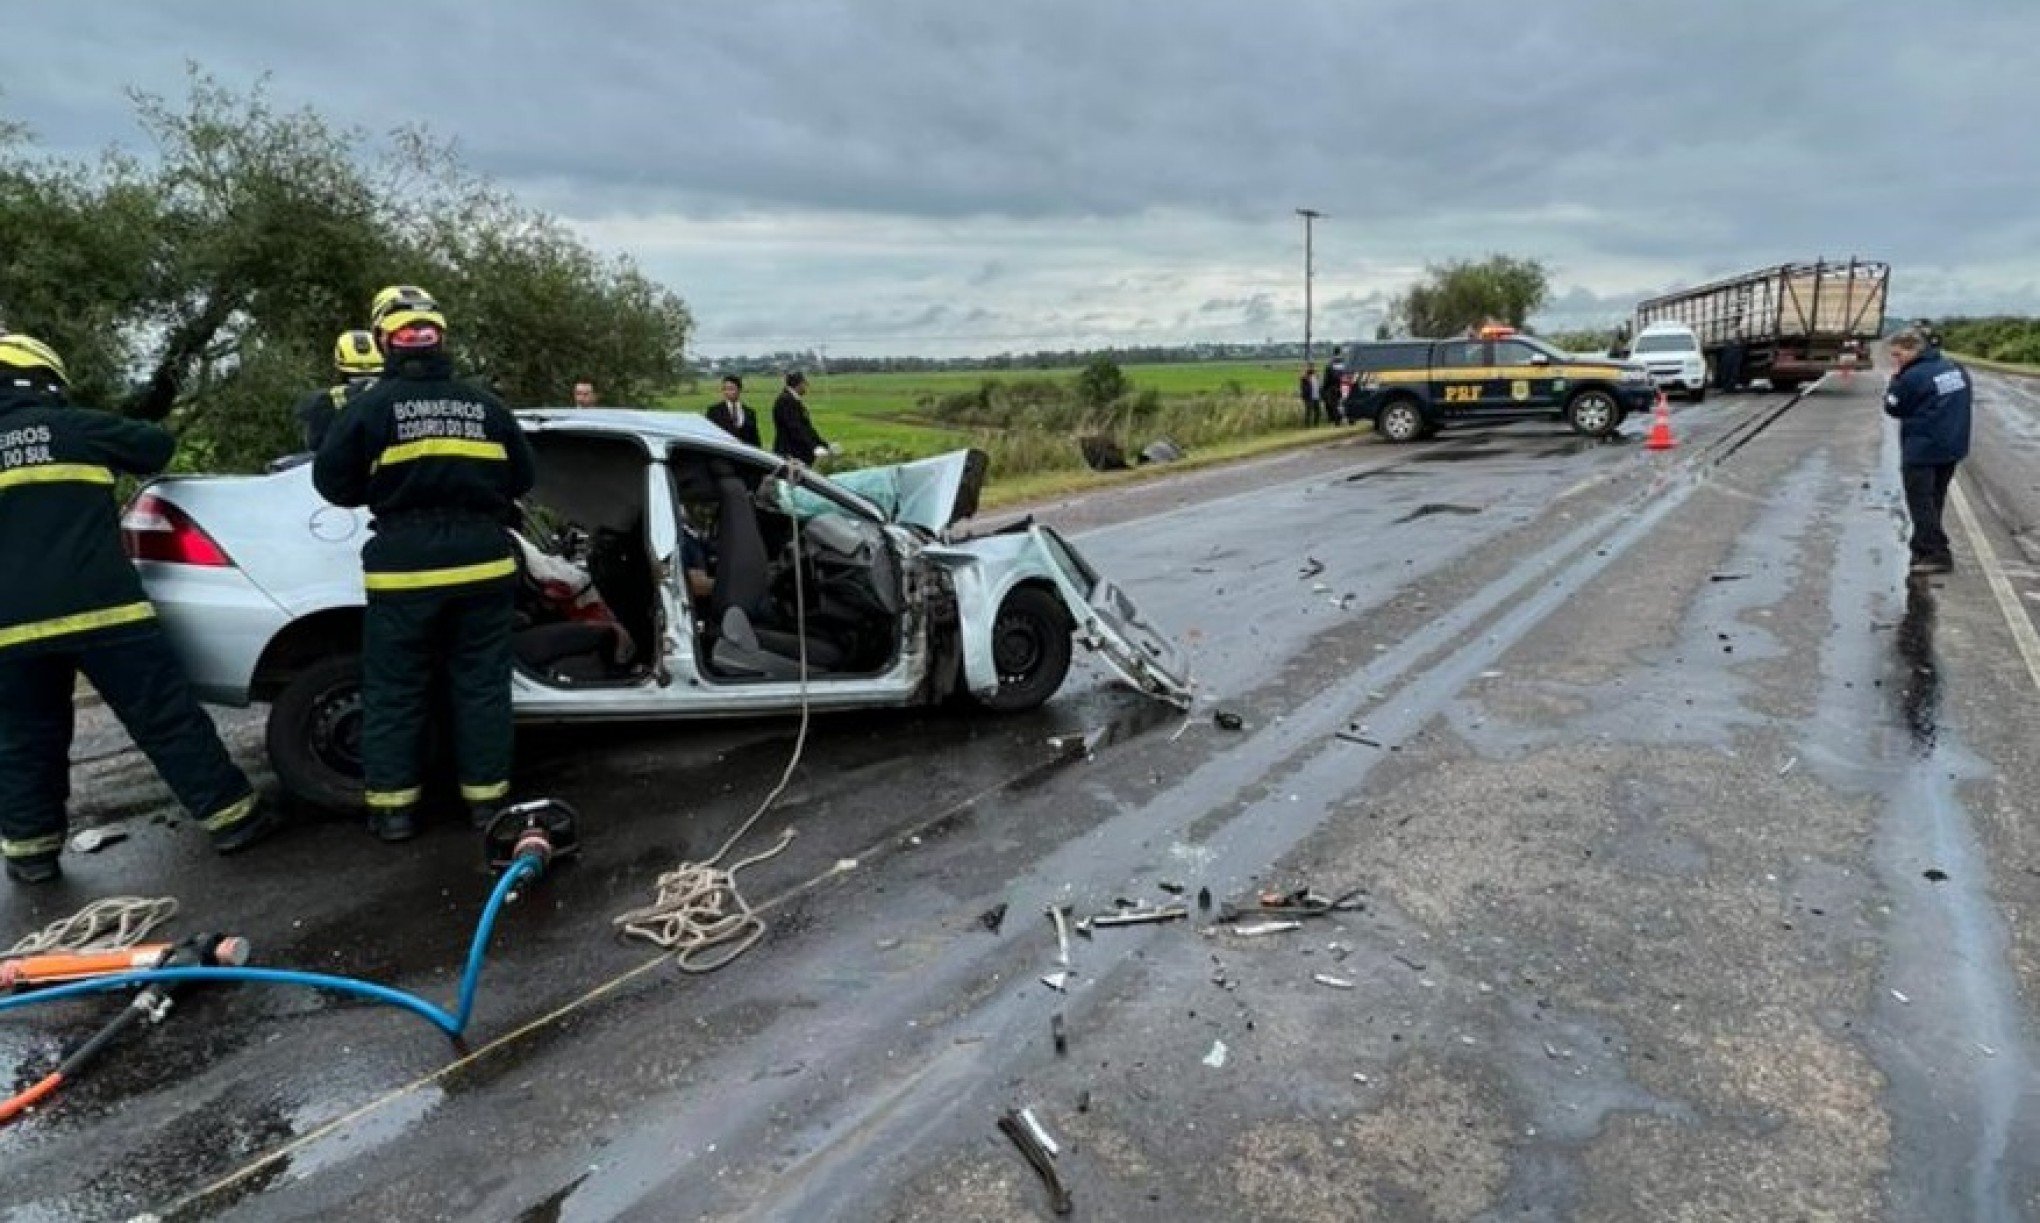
x,y
742,597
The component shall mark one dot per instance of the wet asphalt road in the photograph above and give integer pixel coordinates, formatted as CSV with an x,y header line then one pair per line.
x,y
1648,760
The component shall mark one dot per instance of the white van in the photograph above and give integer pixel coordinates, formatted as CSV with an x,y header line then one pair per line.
x,y
1671,352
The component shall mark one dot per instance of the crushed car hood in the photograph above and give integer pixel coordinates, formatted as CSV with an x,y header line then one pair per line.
x,y
1110,625
928,493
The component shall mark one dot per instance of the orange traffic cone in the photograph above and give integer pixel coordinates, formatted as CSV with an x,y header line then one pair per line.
x,y
1661,427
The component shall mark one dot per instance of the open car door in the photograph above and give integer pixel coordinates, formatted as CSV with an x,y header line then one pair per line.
x,y
1111,626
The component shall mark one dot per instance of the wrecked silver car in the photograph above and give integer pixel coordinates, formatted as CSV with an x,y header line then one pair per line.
x,y
623,617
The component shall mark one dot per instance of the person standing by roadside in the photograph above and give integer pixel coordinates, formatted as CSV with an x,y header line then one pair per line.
x,y
72,603
440,464
1334,393
584,394
731,416
359,363
1929,396
793,430
1307,391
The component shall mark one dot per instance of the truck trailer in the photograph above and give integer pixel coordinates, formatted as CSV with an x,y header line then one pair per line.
x,y
1787,324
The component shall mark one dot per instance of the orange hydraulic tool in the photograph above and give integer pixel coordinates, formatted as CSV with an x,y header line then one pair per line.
x,y
26,972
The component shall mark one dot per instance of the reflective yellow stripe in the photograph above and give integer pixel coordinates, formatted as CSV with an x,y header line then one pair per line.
x,y
1488,373
227,817
427,579
484,794
392,798
32,847
443,448
56,473
42,630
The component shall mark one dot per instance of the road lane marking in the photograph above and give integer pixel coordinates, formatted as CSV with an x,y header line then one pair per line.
x,y
2023,633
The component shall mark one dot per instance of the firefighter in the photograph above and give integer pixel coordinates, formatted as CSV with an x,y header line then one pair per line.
x,y
440,464
72,603
359,363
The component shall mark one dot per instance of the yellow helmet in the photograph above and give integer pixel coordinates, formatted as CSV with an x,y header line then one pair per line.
x,y
355,354
21,352
396,296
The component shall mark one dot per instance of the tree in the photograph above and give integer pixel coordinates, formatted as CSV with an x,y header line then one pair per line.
x,y
1464,293
1101,382
216,273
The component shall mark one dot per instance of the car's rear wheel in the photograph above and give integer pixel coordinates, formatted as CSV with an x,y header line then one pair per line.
x,y
1698,394
1400,421
1785,386
314,735
1593,414
1030,648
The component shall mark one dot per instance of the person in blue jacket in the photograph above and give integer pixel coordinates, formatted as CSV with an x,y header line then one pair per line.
x,y
1929,396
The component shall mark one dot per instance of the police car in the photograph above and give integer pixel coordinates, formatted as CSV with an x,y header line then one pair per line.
x,y
1410,389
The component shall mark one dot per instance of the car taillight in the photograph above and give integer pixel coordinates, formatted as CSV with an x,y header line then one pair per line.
x,y
155,530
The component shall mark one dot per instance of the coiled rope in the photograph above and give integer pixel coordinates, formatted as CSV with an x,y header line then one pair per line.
x,y
700,914
113,924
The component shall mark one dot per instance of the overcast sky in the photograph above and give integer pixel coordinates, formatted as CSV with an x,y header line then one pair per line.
x,y
941,176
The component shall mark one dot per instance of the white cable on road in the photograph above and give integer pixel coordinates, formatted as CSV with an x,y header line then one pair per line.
x,y
699,912
113,924
2023,633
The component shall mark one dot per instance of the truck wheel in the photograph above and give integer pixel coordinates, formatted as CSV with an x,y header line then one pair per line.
x,y
1785,386
314,735
1030,648
1698,394
1401,421
1593,414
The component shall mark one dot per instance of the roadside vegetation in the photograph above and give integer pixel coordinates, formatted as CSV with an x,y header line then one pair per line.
x,y
2005,339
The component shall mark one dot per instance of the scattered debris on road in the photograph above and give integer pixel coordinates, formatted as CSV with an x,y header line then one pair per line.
x,y
1407,962
1788,766
1902,999
92,840
1258,929
1352,736
1312,566
1226,719
1935,874
1300,903
1059,916
1060,1035
1216,1058
1728,577
1325,978
1171,887
1204,900
1040,1132
1057,981
994,917
1038,1157
1139,917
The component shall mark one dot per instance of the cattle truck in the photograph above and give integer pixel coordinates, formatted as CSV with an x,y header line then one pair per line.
x,y
1787,324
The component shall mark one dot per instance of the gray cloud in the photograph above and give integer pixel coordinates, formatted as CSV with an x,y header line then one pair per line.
x,y
1066,161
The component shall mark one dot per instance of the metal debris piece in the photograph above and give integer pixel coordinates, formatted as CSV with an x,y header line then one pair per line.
x,y
1056,1030
1362,740
994,917
1407,962
1057,981
1039,1131
1301,903
1139,917
1204,900
1216,1058
1170,886
1267,927
92,840
1728,577
1935,874
1038,1158
1902,998
1226,719
1325,978
1084,1101
1058,914
1788,766
1312,566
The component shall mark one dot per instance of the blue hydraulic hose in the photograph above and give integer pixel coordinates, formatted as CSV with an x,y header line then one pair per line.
x,y
453,1025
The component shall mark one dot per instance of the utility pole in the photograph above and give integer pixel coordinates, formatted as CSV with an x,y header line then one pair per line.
x,y
1309,215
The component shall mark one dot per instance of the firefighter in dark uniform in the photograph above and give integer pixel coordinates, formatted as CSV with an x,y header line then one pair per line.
x,y
440,463
359,363
70,603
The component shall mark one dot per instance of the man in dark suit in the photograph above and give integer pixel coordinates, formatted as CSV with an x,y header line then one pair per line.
x,y
793,430
731,416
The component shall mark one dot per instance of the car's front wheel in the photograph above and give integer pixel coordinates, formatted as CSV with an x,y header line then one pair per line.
x,y
1593,414
1030,648
314,735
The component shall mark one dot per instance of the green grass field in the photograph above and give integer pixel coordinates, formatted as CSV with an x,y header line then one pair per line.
x,y
867,411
